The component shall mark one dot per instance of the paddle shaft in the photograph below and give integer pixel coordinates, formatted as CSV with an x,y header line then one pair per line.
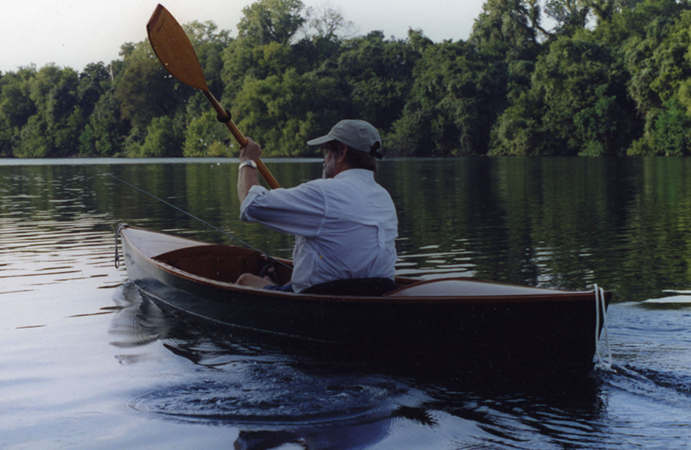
x,y
175,52
242,140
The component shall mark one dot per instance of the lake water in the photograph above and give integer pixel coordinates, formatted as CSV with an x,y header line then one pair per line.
x,y
85,362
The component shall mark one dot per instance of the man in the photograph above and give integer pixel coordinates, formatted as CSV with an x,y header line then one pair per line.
x,y
345,224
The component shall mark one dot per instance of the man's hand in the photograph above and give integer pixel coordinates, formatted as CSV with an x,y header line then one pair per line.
x,y
248,177
250,151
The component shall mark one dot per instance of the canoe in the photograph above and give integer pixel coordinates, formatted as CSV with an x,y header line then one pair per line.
x,y
457,321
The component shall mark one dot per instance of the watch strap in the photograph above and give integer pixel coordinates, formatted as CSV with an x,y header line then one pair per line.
x,y
247,163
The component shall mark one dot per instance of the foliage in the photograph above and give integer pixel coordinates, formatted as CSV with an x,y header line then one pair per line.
x,y
451,104
106,130
581,88
507,29
144,89
268,21
293,100
15,108
205,136
378,76
555,77
163,139
659,60
672,131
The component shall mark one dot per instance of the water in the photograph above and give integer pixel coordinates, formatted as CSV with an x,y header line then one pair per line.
x,y
86,362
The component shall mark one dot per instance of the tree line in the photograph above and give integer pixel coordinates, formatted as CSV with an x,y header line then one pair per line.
x,y
554,77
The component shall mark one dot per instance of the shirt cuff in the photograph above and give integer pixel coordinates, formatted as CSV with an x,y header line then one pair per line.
x,y
254,192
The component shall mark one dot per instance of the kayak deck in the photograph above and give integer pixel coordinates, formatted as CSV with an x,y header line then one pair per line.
x,y
223,264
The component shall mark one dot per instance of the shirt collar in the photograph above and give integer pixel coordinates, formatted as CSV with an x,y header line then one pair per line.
x,y
356,173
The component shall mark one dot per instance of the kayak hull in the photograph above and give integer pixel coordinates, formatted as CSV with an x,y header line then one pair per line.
x,y
454,321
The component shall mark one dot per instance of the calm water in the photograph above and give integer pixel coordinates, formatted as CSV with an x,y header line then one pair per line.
x,y
85,362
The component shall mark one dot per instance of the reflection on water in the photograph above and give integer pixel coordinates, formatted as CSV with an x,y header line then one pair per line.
x,y
277,397
559,222
42,253
51,232
83,352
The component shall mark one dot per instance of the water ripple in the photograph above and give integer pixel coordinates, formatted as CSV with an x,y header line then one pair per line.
x,y
273,395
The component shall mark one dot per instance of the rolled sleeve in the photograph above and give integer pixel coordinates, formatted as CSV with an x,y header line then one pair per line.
x,y
299,210
254,192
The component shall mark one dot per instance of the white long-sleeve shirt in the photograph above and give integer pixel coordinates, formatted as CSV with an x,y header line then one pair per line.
x,y
345,227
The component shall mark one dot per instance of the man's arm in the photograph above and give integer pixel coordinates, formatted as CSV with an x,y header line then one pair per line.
x,y
248,176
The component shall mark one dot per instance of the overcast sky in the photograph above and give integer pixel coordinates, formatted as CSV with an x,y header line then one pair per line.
x,y
73,33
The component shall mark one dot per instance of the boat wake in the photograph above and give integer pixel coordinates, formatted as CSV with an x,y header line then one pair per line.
x,y
272,396
683,298
670,388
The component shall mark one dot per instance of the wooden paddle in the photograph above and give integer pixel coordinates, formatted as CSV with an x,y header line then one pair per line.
x,y
174,49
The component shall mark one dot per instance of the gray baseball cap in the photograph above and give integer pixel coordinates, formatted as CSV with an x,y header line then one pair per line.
x,y
356,134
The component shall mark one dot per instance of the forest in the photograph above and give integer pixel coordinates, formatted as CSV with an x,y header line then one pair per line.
x,y
534,78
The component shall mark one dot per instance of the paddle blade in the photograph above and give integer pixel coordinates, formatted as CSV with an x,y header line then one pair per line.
x,y
174,49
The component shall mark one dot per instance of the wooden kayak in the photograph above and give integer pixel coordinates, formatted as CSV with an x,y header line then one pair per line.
x,y
458,321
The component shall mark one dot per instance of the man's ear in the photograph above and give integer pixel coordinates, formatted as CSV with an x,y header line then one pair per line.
x,y
342,150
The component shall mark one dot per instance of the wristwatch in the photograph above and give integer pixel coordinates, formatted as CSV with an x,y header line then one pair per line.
x,y
247,163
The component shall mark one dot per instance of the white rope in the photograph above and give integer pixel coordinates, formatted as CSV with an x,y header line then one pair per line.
x,y
601,305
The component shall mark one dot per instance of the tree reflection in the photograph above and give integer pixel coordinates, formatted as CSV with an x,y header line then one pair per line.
x,y
557,222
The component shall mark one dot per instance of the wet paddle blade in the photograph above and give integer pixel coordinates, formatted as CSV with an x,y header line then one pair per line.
x,y
174,49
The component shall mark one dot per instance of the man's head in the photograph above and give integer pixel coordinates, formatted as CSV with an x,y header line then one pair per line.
x,y
350,144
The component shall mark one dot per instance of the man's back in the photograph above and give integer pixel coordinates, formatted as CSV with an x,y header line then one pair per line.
x,y
345,227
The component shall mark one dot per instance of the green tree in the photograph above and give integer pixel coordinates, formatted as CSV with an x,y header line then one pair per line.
x,y
54,128
242,61
570,15
507,29
303,104
105,131
94,81
206,136
657,56
452,103
378,74
506,37
263,47
33,139
16,107
655,53
64,115
671,132
163,139
268,21
586,108
518,130
144,89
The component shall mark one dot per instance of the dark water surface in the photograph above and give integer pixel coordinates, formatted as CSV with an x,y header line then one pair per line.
x,y
85,362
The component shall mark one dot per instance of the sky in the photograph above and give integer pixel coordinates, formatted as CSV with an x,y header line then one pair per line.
x,y
73,33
